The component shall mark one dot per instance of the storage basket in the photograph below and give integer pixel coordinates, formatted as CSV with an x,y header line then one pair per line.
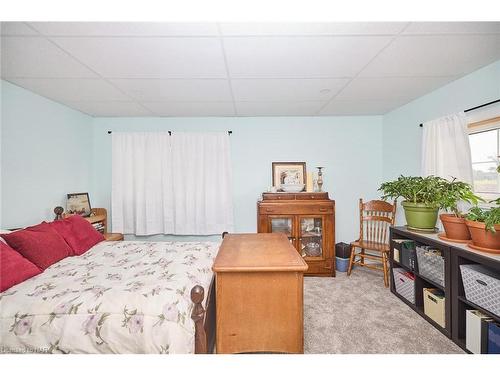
x,y
434,305
405,250
404,282
482,286
430,265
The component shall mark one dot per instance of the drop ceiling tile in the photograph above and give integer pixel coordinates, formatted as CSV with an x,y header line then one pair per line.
x,y
452,28
17,29
285,108
126,28
110,109
72,89
435,55
286,89
175,89
35,57
311,28
149,57
360,107
188,109
300,57
391,87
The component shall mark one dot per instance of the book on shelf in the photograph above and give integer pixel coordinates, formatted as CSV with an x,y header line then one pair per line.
x,y
99,226
476,327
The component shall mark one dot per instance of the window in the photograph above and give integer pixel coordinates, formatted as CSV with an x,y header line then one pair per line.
x,y
485,152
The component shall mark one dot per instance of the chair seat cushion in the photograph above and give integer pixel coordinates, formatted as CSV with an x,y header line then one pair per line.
x,y
370,245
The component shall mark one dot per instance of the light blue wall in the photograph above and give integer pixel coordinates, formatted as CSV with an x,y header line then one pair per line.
x,y
350,149
402,135
46,153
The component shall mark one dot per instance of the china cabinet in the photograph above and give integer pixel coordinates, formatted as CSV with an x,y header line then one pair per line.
x,y
308,220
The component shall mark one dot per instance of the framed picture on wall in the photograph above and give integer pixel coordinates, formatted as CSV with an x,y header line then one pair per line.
x,y
289,173
78,204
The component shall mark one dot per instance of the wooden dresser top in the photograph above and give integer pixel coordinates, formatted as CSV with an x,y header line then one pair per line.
x,y
302,196
257,253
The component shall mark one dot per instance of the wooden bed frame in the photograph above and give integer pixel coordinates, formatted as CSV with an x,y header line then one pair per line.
x,y
204,319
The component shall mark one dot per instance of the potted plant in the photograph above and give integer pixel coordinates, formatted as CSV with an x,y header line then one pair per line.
x,y
484,227
454,222
423,196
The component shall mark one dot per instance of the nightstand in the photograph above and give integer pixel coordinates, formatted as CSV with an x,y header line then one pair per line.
x,y
113,237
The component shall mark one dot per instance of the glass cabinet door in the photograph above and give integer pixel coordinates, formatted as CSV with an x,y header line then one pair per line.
x,y
282,225
311,237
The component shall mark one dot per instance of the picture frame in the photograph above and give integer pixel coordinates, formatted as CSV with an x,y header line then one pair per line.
x,y
78,204
289,172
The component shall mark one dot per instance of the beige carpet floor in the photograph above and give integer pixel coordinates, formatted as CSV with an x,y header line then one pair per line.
x,y
357,314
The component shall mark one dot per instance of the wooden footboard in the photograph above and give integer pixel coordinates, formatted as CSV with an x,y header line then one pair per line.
x,y
204,319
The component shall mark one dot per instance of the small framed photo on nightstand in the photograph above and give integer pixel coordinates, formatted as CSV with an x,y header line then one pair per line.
x,y
78,204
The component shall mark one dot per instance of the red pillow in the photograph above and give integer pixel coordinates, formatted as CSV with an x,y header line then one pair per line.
x,y
79,234
40,244
14,268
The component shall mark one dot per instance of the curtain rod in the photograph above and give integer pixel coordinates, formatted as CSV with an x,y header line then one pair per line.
x,y
477,107
170,132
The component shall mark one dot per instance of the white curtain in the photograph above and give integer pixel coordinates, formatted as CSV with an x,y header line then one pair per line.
x,y
202,183
179,184
445,148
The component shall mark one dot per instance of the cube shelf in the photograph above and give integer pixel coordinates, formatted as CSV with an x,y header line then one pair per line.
x,y
455,302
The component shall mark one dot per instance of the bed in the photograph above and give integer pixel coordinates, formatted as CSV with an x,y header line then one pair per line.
x,y
119,297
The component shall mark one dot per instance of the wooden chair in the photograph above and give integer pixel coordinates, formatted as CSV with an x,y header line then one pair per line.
x,y
375,218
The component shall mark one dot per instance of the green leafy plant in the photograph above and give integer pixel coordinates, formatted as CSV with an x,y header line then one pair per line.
x,y
427,190
455,192
489,216
432,191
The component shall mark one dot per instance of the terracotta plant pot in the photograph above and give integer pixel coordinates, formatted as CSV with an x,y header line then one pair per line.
x,y
455,227
482,237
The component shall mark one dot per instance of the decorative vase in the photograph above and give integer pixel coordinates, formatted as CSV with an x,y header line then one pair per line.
x,y
320,179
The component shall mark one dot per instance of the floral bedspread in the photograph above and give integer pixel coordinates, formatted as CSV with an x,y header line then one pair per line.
x,y
119,297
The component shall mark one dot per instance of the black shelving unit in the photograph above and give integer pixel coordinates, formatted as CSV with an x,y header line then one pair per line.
x,y
422,282
455,301
459,302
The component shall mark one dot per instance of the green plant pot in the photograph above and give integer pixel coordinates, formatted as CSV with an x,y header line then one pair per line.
x,y
420,216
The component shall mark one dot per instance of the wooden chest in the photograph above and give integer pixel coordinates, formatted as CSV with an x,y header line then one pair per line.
x,y
259,295
308,220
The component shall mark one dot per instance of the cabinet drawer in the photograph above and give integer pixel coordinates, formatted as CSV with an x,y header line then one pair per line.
x,y
279,196
313,209
311,196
